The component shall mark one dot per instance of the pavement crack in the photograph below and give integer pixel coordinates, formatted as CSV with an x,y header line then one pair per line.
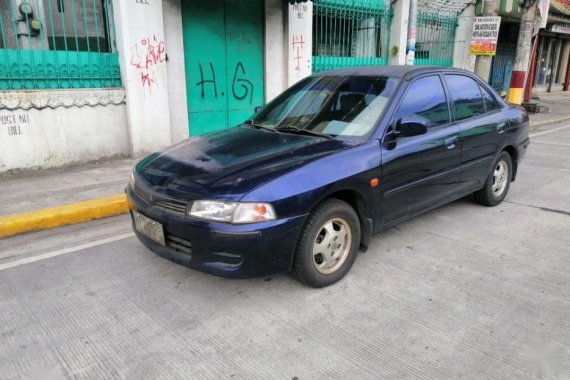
x,y
547,209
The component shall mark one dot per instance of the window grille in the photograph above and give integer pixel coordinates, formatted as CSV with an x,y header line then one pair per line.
x,y
57,44
349,33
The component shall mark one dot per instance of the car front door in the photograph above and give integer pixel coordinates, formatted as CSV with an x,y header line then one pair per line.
x,y
478,115
419,172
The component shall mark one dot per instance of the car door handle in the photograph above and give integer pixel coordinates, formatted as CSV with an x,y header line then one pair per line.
x,y
501,127
450,142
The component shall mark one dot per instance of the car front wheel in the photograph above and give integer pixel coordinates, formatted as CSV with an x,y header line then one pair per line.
x,y
328,244
498,182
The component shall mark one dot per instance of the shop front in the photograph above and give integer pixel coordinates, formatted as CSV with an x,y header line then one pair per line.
x,y
552,59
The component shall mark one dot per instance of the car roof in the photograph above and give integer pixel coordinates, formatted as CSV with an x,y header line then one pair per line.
x,y
394,71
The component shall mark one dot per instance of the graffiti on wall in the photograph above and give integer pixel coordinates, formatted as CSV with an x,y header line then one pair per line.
x,y
242,88
299,55
297,45
13,123
146,56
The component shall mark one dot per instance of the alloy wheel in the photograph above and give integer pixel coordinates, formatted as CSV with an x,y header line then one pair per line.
x,y
500,177
332,245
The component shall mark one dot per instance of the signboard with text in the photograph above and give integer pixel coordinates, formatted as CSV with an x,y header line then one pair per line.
x,y
484,36
560,28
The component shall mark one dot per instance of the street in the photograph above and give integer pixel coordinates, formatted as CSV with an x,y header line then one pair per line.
x,y
464,291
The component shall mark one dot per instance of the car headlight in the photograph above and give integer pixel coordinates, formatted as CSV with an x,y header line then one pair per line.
x,y
132,180
232,212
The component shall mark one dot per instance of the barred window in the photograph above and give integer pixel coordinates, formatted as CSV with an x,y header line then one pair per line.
x,y
349,34
57,44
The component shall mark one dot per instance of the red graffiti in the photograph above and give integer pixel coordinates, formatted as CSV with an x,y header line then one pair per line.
x,y
146,55
297,45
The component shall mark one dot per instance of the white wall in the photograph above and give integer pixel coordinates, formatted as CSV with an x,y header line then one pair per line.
x,y
175,70
299,41
43,129
399,32
142,56
275,49
461,57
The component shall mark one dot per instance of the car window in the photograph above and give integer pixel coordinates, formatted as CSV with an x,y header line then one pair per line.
x,y
490,101
425,99
332,105
466,96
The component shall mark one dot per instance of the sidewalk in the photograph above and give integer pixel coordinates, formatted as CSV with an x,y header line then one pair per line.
x,y
56,197
558,104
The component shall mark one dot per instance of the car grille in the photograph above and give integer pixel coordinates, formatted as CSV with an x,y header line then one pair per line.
x,y
142,194
171,206
178,244
165,204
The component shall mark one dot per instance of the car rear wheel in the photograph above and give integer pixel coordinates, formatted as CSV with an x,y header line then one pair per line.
x,y
328,244
498,182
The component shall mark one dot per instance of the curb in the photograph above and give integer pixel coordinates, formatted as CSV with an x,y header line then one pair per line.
x,y
549,122
63,215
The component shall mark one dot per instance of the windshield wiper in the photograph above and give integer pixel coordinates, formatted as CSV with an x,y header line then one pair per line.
x,y
253,124
294,129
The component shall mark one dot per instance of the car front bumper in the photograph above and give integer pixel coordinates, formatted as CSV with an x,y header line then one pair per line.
x,y
233,251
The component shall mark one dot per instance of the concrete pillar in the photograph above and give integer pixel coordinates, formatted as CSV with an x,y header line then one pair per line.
x,y
461,57
483,63
176,71
412,33
522,58
276,48
142,56
299,41
399,32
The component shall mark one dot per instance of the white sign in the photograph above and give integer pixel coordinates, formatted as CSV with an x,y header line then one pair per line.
x,y
561,28
300,42
484,35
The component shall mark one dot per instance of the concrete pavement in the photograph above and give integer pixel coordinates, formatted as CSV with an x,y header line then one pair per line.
x,y
462,292
557,103
58,197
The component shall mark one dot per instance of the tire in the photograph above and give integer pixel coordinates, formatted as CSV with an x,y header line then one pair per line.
x,y
498,183
328,244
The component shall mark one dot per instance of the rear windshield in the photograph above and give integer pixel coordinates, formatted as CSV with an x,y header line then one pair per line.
x,y
332,105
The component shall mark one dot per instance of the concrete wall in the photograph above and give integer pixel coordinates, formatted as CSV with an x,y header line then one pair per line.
x,y
43,129
461,57
142,56
275,49
399,32
175,70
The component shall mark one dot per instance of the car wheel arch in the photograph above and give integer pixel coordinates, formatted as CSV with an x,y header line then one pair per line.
x,y
357,201
512,151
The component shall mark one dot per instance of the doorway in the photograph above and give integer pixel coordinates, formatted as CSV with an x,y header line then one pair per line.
x,y
223,50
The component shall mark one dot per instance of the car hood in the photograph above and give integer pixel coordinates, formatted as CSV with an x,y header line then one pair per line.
x,y
230,163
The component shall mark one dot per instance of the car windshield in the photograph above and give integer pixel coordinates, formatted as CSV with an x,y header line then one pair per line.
x,y
329,105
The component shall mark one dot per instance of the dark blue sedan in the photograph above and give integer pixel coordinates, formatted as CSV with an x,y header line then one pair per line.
x,y
341,155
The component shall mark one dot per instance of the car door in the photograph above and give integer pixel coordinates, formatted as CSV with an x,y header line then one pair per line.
x,y
420,171
478,115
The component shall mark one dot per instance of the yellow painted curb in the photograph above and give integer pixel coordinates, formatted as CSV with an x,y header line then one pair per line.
x,y
63,215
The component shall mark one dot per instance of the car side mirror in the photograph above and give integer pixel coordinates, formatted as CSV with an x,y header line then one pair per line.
x,y
410,126
258,108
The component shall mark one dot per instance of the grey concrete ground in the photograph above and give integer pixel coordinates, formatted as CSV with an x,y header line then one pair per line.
x,y
30,191
557,103
464,292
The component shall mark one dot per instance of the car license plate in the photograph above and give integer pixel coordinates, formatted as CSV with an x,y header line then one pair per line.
x,y
149,228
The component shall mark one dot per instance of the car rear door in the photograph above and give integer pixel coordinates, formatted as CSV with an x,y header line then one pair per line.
x,y
477,113
420,171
